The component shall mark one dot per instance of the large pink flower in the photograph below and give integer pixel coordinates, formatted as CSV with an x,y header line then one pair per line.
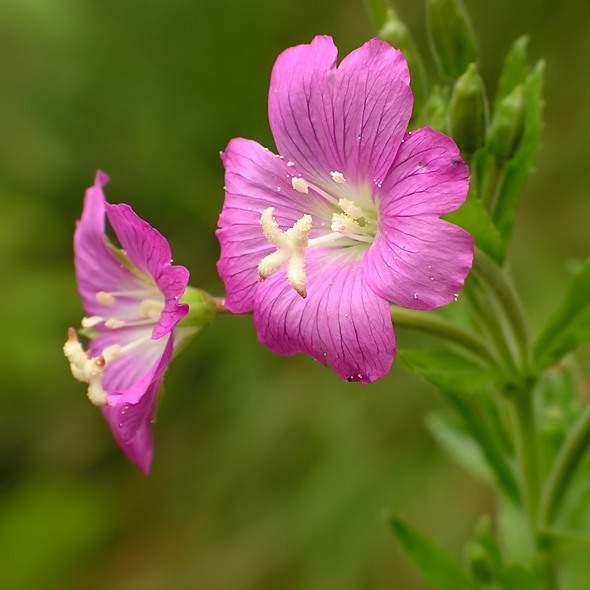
x,y
131,298
319,240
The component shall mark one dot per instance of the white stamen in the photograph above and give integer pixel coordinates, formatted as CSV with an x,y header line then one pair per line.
x,y
151,309
337,177
105,298
290,164
88,369
342,223
351,209
300,184
114,323
96,394
110,353
291,246
92,321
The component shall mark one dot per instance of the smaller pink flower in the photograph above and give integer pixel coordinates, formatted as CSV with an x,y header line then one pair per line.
x,y
131,298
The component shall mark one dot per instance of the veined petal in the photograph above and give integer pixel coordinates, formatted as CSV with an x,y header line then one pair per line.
x,y
97,269
256,179
341,322
131,421
150,251
349,119
419,262
428,176
129,368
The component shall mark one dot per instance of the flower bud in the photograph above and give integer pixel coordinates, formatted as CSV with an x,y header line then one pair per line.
x,y
468,111
452,37
507,125
397,34
434,112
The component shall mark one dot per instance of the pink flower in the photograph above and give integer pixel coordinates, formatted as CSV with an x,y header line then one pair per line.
x,y
319,240
131,298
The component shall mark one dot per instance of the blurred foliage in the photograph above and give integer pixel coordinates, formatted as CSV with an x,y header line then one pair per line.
x,y
269,472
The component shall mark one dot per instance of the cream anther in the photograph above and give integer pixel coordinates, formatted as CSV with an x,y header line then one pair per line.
x,y
92,321
114,323
151,309
337,177
88,369
344,224
351,209
291,246
300,184
105,298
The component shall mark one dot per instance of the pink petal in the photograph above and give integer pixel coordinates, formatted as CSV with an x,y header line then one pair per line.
x,y
132,367
255,179
428,176
341,322
150,251
131,423
97,269
419,262
349,119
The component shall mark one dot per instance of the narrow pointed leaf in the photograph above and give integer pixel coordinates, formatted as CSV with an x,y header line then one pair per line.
x,y
434,563
569,326
473,217
453,437
464,383
515,69
522,164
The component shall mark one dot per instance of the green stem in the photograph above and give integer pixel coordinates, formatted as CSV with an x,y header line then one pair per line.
x,y
568,460
438,326
498,280
528,458
526,449
489,183
484,310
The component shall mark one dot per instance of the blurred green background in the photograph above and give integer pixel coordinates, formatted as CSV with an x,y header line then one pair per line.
x,y
269,473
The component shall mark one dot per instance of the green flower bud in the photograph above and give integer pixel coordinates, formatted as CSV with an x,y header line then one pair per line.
x,y
452,37
434,112
468,111
397,34
202,308
507,125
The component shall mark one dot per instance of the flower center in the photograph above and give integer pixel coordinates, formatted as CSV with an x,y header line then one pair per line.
x,y
131,309
352,224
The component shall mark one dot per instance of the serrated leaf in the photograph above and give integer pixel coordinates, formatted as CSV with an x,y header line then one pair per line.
x,y
475,219
515,69
453,437
569,326
521,165
435,564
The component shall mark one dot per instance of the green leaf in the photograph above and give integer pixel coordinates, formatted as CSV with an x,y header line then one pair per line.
x,y
435,564
448,370
450,433
464,383
377,11
520,167
513,532
515,69
569,326
475,219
